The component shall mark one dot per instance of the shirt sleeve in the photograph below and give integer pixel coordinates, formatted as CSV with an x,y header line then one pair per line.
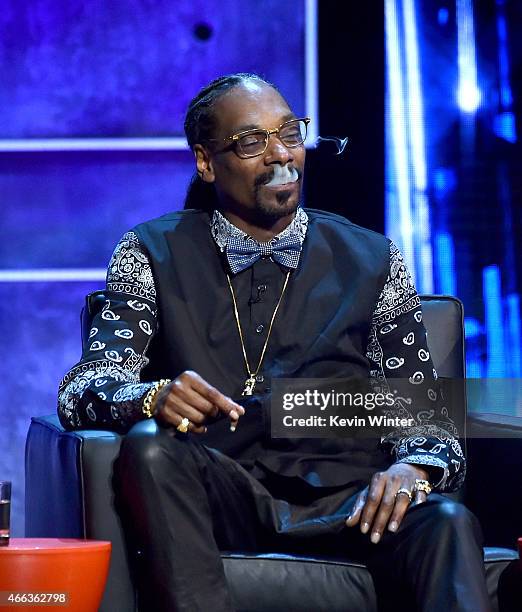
x,y
104,390
399,357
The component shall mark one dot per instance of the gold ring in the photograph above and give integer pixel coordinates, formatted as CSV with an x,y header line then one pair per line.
x,y
422,485
403,491
184,425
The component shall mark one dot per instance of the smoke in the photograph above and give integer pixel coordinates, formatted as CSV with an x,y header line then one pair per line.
x,y
338,143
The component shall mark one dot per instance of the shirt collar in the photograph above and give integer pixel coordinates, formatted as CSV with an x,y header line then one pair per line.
x,y
223,231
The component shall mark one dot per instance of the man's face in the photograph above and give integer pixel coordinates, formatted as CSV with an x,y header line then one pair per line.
x,y
241,184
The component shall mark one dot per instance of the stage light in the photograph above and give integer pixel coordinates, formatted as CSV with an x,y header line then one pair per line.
x,y
492,294
407,201
468,94
504,124
445,258
469,97
443,16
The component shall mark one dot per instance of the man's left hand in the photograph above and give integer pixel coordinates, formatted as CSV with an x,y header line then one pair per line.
x,y
378,506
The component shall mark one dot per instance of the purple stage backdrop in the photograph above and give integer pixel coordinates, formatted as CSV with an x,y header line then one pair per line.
x,y
87,68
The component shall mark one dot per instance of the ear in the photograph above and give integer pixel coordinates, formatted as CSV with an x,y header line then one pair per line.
x,y
204,164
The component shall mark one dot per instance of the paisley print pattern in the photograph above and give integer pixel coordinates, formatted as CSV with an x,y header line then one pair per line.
x,y
397,349
104,389
129,270
222,230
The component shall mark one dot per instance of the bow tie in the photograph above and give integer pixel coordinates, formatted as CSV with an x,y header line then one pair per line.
x,y
241,253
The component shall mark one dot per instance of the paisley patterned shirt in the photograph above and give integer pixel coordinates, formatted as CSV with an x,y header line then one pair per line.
x,y
104,390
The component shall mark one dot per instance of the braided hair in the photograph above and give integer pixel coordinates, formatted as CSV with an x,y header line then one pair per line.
x,y
200,123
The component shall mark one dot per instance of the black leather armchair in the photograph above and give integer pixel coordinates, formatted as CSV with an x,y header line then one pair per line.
x,y
69,494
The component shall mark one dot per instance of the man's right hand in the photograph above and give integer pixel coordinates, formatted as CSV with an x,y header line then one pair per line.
x,y
190,396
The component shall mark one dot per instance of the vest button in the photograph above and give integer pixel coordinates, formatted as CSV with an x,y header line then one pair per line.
x,y
260,378
260,328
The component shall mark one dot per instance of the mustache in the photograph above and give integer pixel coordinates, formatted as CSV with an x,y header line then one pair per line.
x,y
266,177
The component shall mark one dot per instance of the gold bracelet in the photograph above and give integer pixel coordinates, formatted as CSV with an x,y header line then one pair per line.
x,y
148,401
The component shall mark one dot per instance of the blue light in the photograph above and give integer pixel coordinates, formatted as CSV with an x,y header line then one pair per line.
x,y
469,97
407,207
472,327
506,97
468,94
514,334
398,207
444,181
496,367
504,126
445,254
443,16
415,110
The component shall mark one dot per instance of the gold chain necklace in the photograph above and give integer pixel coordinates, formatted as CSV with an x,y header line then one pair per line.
x,y
250,382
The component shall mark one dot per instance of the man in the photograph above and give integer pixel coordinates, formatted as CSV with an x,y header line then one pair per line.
x,y
210,304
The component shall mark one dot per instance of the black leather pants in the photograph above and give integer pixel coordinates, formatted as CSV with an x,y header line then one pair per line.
x,y
181,503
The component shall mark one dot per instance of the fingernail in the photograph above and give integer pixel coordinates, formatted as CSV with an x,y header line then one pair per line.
x,y
365,527
233,427
375,537
393,526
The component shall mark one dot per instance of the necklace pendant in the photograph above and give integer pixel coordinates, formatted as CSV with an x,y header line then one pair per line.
x,y
249,386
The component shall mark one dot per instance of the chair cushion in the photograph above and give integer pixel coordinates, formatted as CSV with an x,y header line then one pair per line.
x,y
276,582
68,475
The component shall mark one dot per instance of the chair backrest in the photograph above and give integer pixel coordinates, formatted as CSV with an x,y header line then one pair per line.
x,y
443,318
94,302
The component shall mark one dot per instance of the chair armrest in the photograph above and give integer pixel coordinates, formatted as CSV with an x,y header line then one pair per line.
x,y
68,494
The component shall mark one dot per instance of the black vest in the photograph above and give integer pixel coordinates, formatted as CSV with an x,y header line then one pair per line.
x,y
321,331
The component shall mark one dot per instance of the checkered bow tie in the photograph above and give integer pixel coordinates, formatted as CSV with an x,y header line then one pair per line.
x,y
241,253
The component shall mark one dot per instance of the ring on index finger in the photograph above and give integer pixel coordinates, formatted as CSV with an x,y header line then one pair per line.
x,y
404,491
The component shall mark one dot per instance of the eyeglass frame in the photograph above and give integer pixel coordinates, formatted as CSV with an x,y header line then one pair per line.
x,y
235,137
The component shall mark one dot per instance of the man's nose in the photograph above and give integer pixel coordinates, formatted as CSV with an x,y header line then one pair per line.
x,y
277,152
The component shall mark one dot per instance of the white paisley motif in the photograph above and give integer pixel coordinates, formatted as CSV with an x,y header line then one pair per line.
x,y
437,448
423,355
418,316
108,315
393,363
93,332
399,294
131,392
113,356
97,346
388,328
90,412
409,339
124,333
417,378
129,269
145,327
135,305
